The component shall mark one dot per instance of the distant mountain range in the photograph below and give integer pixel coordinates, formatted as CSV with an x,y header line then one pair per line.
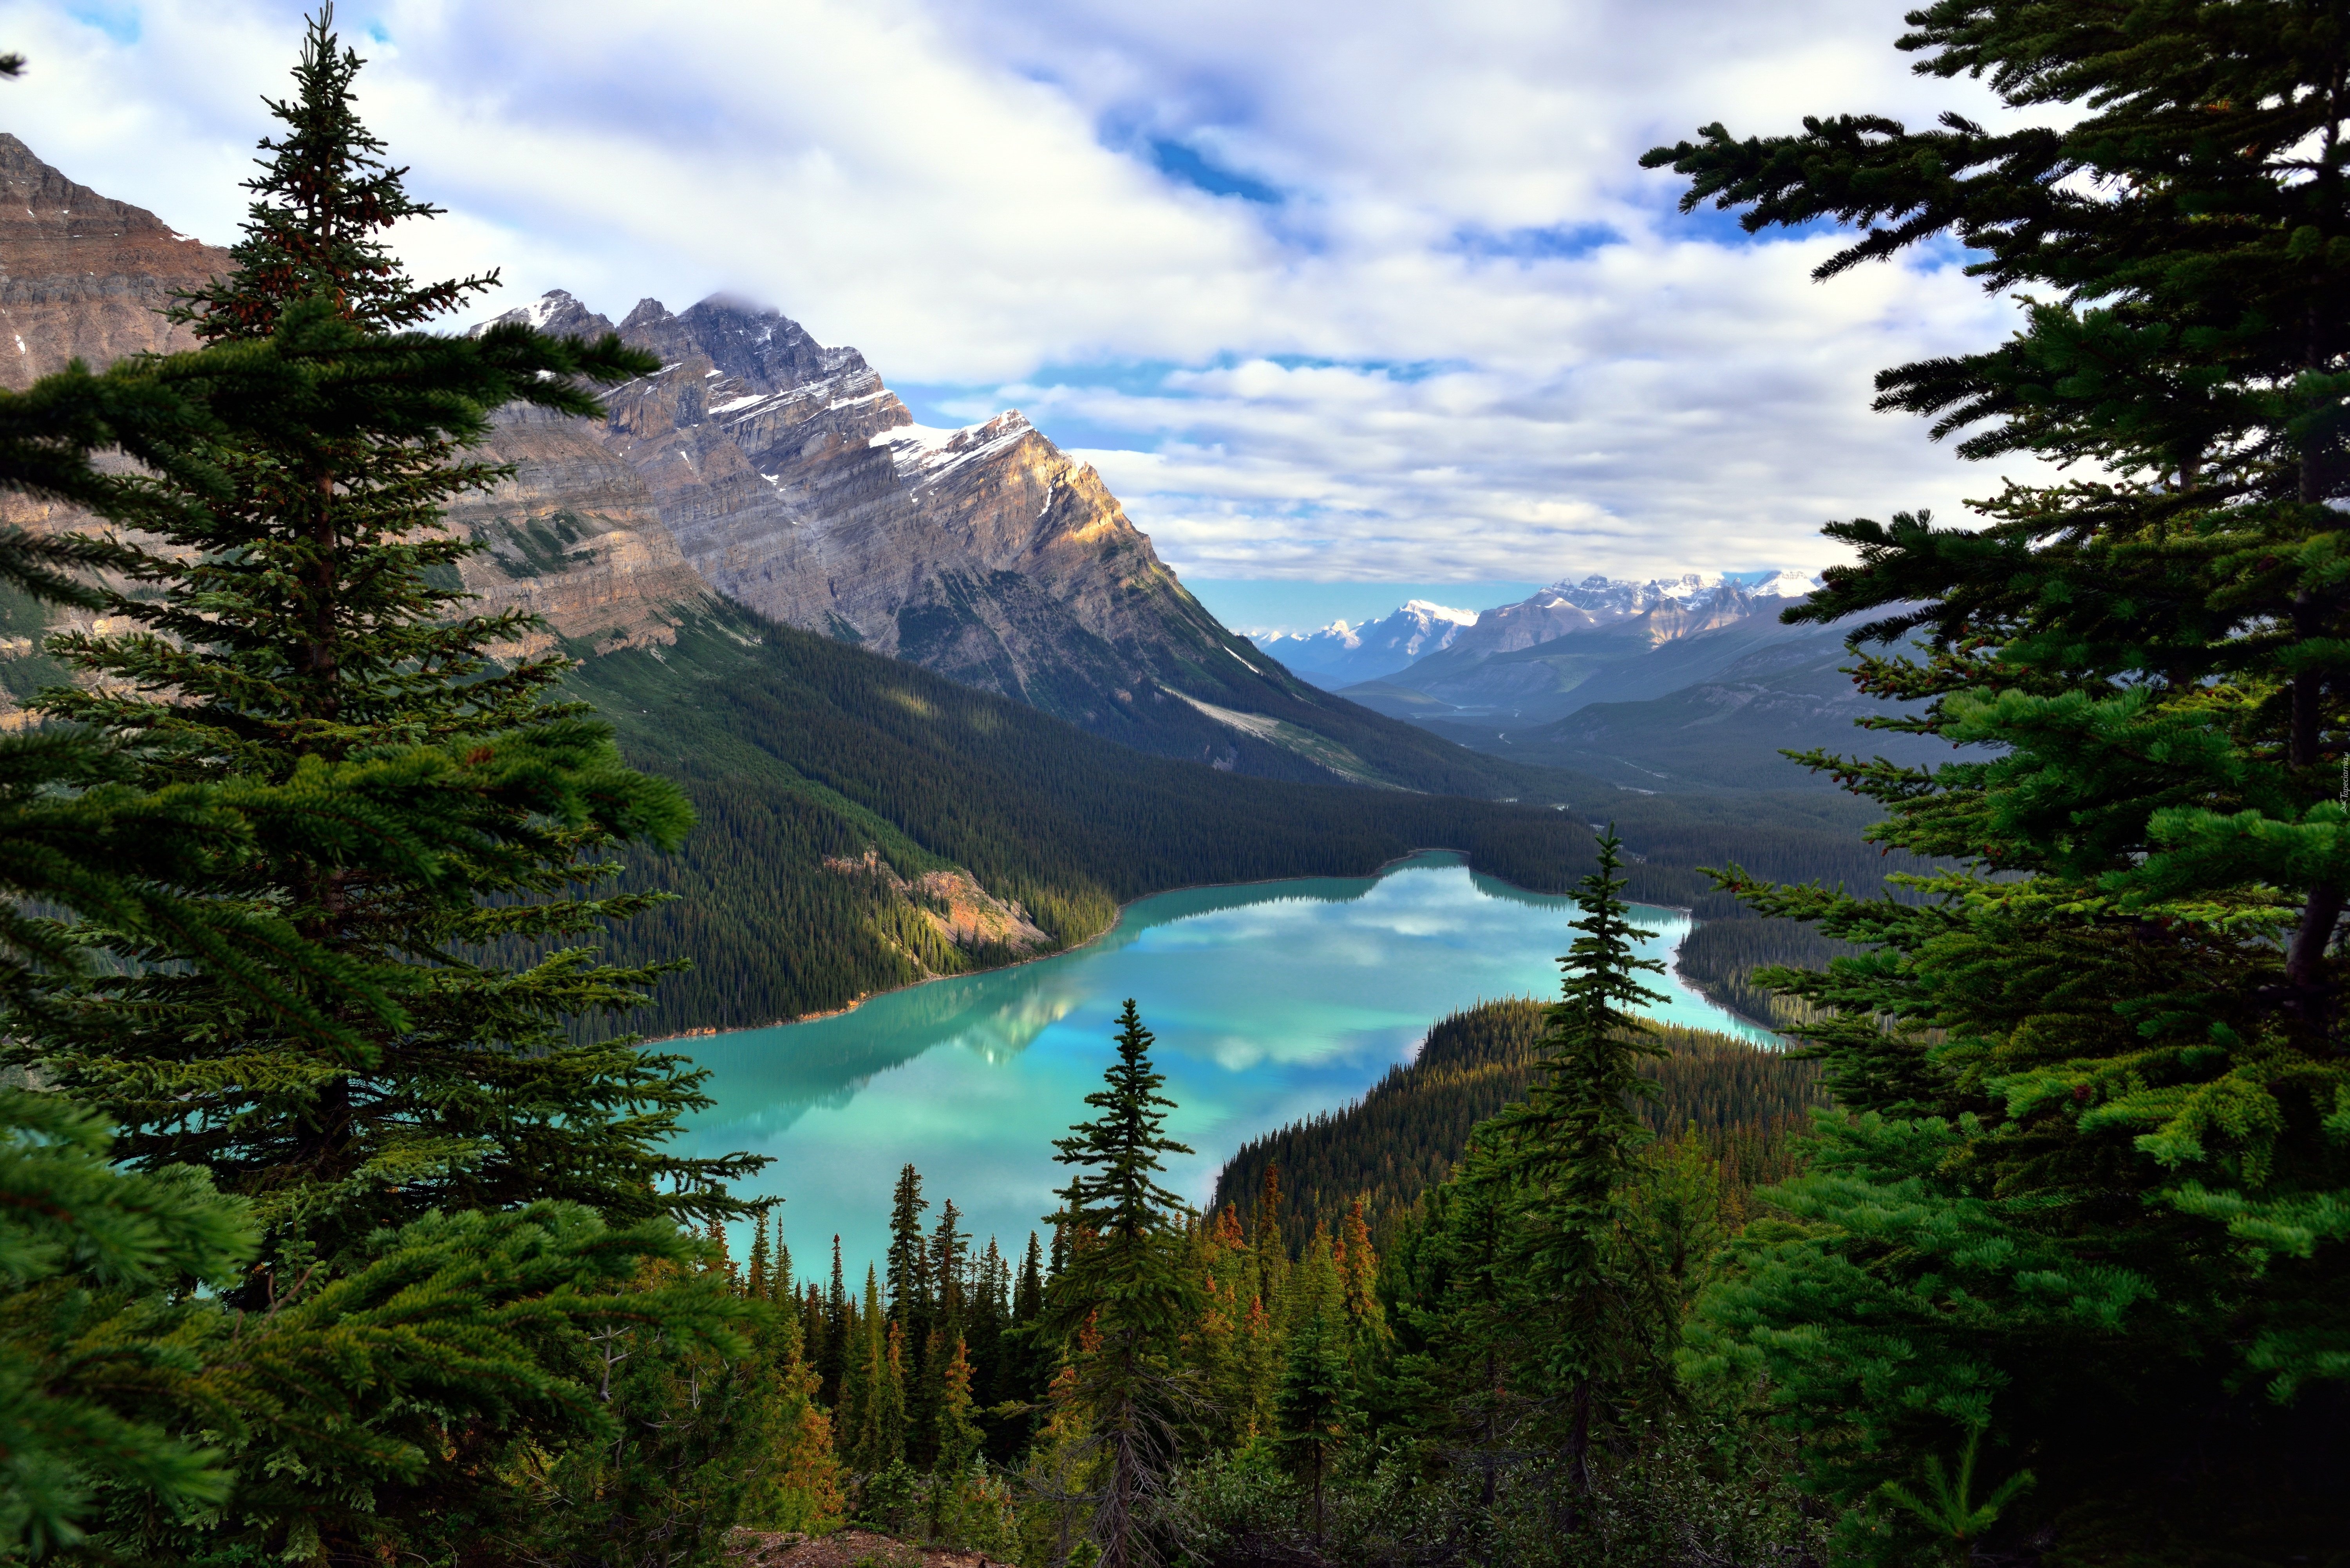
x,y
1340,655
1681,682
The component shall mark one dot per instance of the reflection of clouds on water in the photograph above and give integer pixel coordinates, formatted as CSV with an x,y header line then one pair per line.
x,y
1269,1005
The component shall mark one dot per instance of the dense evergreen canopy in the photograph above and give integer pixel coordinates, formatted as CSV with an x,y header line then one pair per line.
x,y
2088,1218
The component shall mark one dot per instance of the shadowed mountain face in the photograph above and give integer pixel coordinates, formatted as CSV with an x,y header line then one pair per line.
x,y
1712,713
83,277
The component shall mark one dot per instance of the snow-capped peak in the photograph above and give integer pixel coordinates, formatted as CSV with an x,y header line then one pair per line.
x,y
1786,584
1431,610
547,307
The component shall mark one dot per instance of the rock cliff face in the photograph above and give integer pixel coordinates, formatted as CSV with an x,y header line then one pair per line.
x,y
576,538
81,277
796,483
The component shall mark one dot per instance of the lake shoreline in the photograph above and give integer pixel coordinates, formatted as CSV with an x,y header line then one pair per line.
x,y
1372,875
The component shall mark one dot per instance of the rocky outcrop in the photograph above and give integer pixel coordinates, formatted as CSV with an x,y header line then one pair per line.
x,y
576,538
84,277
954,905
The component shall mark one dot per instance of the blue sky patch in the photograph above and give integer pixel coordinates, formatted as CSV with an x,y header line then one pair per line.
x,y
120,23
1555,242
1189,167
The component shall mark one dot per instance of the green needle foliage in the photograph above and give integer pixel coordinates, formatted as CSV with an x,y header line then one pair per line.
x,y
1124,1297
325,197
1586,1297
1537,1311
291,636
2093,1195
95,1358
379,1411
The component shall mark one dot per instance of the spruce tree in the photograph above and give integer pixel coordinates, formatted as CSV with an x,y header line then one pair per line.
x,y
1124,1287
144,1420
832,1365
2085,1216
1028,1297
1319,1395
291,636
910,1256
1565,1154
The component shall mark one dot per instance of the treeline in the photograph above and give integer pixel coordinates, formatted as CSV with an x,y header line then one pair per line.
x,y
1742,1104
1719,957
797,751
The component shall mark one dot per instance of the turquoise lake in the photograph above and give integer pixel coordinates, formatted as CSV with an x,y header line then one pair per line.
x,y
1270,1002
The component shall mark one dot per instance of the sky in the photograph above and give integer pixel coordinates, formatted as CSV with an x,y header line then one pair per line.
x,y
1338,296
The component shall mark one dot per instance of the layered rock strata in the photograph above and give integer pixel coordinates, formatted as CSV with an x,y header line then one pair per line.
x,y
82,276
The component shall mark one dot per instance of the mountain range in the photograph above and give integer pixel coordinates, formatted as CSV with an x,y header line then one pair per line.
x,y
1684,682
756,550
1339,656
763,468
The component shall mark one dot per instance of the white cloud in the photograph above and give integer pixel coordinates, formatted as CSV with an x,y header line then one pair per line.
x,y
1469,340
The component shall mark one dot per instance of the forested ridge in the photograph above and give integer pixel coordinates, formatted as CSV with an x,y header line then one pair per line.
x,y
1743,1103
1718,958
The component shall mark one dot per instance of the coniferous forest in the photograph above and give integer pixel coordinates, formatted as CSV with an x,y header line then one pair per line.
x,y
342,1222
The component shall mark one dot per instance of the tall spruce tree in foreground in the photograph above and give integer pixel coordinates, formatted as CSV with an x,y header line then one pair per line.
x,y
292,632
380,1412
1536,1316
1124,1297
1591,1322
2087,1218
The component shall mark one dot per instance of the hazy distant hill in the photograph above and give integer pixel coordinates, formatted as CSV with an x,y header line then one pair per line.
x,y
1710,728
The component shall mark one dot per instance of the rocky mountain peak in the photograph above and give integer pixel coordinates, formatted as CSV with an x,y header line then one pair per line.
x,y
83,277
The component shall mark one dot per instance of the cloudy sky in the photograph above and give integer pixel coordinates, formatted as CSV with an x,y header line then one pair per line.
x,y
1365,296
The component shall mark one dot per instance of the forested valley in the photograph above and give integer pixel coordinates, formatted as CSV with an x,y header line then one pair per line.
x,y
802,756
341,1222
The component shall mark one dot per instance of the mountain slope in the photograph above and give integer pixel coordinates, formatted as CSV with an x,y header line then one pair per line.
x,y
796,482
1724,731
865,823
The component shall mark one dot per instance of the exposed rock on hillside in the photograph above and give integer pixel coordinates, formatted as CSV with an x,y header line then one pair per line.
x,y
954,905
81,277
574,537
